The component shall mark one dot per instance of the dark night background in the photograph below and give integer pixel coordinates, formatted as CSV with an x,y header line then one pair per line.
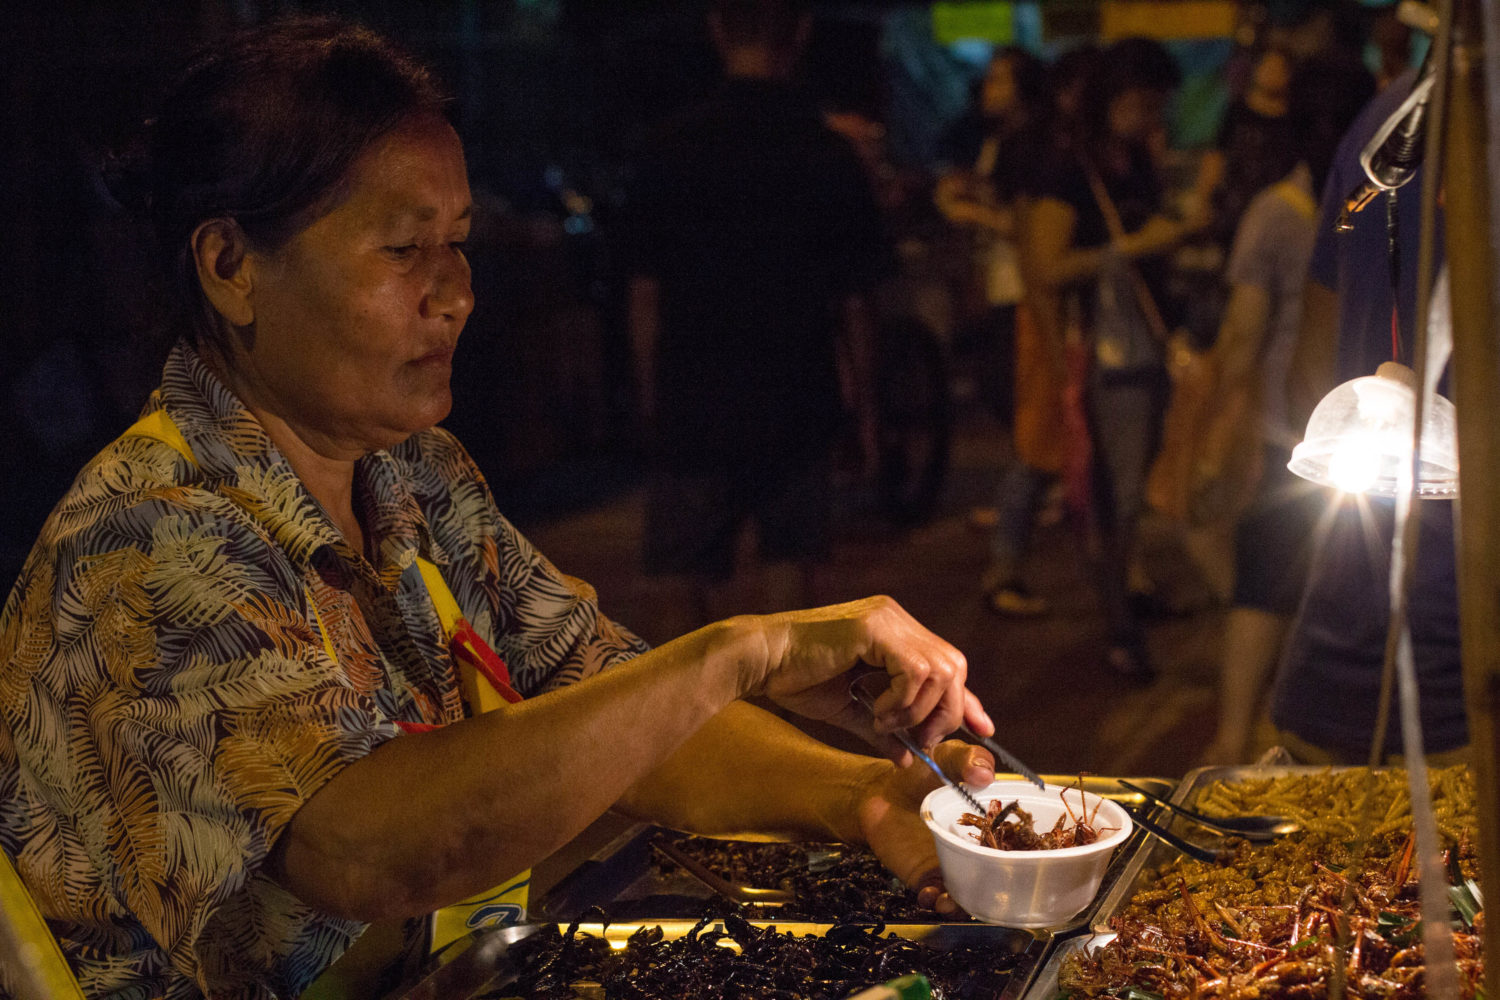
x,y
550,96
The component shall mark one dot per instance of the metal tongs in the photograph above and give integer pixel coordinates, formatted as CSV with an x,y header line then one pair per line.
x,y
862,695
1256,828
1003,755
729,890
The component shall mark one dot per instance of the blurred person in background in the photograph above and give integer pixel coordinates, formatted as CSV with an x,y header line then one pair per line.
x,y
1255,141
756,235
1251,151
1245,442
1095,244
1040,449
1391,40
989,151
1324,701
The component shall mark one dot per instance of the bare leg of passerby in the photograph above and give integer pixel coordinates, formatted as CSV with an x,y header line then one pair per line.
x,y
1252,646
1016,500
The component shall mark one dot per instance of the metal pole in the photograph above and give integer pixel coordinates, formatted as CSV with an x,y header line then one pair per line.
x,y
1476,391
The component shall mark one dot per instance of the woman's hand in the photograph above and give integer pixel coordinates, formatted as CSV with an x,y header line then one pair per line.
x,y
891,824
1158,235
807,656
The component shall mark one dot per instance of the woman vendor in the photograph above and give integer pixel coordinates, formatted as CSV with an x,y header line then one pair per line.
x,y
244,672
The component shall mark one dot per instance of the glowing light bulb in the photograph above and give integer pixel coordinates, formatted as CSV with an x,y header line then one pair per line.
x,y
1354,467
1359,438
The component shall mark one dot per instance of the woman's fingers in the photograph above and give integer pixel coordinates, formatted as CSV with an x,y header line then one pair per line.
x,y
894,830
974,714
927,693
972,765
946,716
924,690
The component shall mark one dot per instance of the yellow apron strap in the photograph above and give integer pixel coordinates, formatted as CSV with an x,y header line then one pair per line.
x,y
27,941
504,904
443,600
158,426
478,693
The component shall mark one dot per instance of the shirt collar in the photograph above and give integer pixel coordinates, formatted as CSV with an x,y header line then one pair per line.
x,y
236,457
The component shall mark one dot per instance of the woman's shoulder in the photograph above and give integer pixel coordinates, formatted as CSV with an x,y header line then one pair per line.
x,y
131,496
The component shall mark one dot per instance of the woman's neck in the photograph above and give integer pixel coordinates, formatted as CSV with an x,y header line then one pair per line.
x,y
329,479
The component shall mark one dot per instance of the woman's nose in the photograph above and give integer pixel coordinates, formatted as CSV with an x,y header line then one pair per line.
x,y
450,296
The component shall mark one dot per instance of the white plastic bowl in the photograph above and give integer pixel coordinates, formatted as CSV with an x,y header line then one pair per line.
x,y
1023,888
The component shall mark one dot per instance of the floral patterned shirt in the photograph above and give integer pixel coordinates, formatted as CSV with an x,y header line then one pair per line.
x,y
192,650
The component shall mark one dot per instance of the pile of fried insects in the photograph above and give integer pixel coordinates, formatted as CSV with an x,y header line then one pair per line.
x,y
730,958
1302,917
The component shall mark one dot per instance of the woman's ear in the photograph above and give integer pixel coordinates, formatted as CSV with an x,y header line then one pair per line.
x,y
224,271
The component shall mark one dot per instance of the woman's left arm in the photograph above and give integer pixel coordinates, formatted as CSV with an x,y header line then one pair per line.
x,y
748,770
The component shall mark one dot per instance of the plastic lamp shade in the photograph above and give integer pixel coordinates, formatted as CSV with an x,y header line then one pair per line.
x,y
1359,438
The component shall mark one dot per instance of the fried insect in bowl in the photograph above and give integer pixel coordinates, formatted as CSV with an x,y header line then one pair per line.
x,y
1029,888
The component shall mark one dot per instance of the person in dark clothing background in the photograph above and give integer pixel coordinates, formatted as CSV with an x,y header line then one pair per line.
x,y
1324,705
755,234
1097,237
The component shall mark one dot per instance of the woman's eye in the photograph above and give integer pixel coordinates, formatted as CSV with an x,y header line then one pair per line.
x,y
403,251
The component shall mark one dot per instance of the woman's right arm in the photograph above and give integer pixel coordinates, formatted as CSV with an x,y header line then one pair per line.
x,y
1057,263
427,819
1052,261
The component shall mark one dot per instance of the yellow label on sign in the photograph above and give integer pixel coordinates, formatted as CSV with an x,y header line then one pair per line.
x,y
501,906
1166,19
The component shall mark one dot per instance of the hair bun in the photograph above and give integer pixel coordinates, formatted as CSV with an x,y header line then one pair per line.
x,y
126,172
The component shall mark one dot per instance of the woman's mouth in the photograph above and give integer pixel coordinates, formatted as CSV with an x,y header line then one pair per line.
x,y
437,356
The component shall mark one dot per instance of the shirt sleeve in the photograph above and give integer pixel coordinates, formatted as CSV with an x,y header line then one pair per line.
x,y
555,632
203,712
1255,255
547,626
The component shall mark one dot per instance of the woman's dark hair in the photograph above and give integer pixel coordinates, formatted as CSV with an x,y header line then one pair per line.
x,y
1029,72
1076,66
769,23
1323,99
1129,64
263,128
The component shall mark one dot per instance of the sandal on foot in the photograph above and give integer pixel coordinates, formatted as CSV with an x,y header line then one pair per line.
x,y
1014,600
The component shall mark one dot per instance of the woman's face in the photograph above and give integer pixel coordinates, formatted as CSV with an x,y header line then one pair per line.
x,y
999,95
1273,75
1136,114
356,318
